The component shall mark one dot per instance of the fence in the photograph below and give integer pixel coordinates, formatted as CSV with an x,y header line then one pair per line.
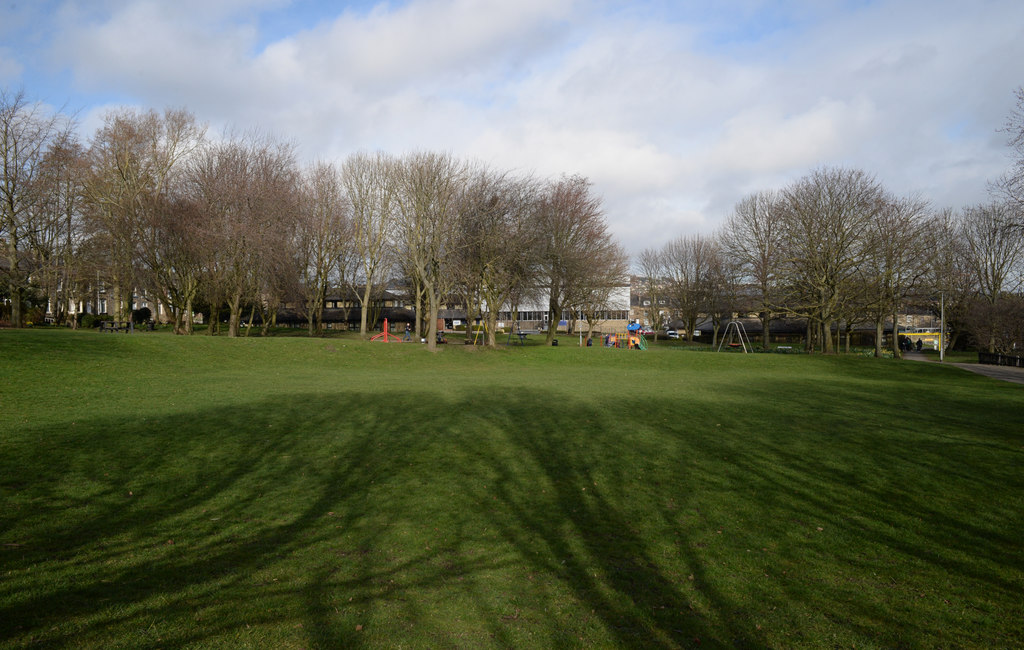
x,y
1000,360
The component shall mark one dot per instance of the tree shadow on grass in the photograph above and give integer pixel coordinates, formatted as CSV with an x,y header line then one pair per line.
x,y
184,516
329,520
889,528
567,507
346,518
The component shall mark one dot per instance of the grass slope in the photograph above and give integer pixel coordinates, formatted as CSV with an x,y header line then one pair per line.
x,y
160,491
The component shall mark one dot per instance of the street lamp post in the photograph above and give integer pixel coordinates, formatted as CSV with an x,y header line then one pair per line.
x,y
942,326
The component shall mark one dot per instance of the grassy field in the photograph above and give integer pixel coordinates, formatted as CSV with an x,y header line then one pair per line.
x,y
161,491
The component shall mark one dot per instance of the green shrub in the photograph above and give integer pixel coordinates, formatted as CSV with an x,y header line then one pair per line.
x,y
94,320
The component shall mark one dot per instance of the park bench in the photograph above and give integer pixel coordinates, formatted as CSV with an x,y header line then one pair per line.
x,y
117,326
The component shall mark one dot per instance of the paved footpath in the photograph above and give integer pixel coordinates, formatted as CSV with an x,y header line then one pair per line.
x,y
1005,373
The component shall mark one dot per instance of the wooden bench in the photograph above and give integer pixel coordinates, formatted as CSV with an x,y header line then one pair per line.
x,y
117,326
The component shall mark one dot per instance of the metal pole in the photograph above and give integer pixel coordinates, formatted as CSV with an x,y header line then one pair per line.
x,y
942,326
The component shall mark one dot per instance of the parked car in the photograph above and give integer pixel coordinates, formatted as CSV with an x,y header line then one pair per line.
x,y
672,334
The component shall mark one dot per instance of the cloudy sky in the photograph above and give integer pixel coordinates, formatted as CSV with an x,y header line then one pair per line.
x,y
674,109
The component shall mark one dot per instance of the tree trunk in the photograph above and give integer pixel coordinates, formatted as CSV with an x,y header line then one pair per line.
x,y
17,315
554,315
189,322
17,318
418,306
235,315
271,319
433,301
364,312
491,318
952,339
896,352
252,316
178,319
826,337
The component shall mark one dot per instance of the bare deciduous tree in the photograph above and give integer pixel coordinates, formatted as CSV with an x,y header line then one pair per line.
x,y
430,186
27,131
575,246
948,275
58,232
994,255
654,287
752,237
688,262
722,288
597,297
371,183
323,237
1011,185
899,250
247,191
827,214
999,325
172,255
135,158
496,244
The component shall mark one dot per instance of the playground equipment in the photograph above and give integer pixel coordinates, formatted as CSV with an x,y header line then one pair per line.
x,y
635,337
735,336
385,334
928,336
632,339
479,333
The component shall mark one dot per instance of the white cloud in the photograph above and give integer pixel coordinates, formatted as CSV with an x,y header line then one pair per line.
x,y
767,140
674,111
10,68
421,41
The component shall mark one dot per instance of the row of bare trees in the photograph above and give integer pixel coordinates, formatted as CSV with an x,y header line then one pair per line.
x,y
487,239
153,203
838,250
234,222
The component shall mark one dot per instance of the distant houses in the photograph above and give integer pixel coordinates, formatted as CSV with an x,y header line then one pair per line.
x,y
342,310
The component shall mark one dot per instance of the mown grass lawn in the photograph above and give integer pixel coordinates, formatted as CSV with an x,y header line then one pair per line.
x,y
161,491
